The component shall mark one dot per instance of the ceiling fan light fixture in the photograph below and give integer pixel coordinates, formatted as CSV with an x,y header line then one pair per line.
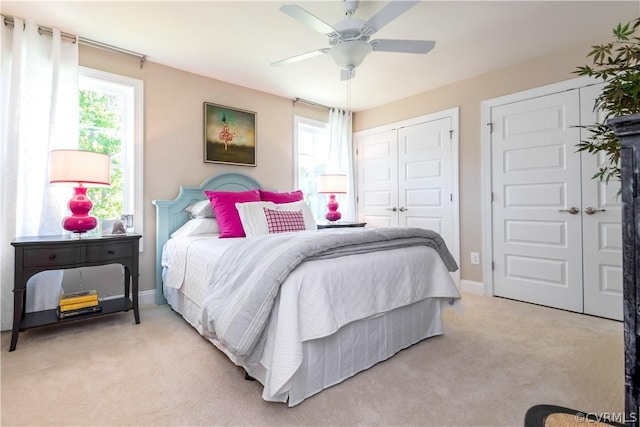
x,y
350,53
349,39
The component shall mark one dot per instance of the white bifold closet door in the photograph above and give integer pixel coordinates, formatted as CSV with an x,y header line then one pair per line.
x,y
602,227
404,177
556,232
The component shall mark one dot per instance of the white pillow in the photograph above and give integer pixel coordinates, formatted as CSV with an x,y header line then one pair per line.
x,y
201,209
197,226
254,220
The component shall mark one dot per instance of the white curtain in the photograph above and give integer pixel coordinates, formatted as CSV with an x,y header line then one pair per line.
x,y
341,157
39,113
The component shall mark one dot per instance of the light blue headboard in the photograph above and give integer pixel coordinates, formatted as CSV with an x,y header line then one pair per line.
x,y
170,213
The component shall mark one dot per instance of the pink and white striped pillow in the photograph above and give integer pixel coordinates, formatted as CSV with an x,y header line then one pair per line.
x,y
284,221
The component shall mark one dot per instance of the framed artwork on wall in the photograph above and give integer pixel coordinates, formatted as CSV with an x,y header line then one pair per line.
x,y
229,135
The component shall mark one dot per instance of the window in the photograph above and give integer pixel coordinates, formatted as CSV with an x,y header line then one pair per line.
x,y
111,122
311,140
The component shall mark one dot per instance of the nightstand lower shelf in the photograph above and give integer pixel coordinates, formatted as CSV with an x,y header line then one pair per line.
x,y
48,317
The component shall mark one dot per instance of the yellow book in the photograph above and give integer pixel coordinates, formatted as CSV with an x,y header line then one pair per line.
x,y
69,307
76,297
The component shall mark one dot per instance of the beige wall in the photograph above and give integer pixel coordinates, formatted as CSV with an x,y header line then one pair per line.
x,y
468,95
173,103
173,134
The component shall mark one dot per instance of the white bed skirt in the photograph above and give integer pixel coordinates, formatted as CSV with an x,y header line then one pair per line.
x,y
353,348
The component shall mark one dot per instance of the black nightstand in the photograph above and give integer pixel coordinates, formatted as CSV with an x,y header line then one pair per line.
x,y
340,224
36,254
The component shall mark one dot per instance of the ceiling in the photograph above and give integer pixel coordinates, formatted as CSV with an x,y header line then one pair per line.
x,y
236,41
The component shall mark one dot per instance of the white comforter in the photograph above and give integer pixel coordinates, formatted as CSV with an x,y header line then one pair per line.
x,y
193,255
249,275
319,297
315,302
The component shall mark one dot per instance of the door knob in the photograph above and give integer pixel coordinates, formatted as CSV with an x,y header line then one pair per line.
x,y
392,209
402,209
590,210
572,210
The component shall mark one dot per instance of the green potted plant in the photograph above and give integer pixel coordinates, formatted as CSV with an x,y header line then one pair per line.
x,y
618,64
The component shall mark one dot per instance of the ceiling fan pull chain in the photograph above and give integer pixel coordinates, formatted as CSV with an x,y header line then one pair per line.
x,y
349,90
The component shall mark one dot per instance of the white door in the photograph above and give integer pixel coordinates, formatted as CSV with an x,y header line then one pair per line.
x,y
602,228
378,179
556,231
537,227
424,168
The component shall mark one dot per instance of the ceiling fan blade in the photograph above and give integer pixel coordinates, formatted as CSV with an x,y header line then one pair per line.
x,y
388,13
300,57
309,20
347,74
404,46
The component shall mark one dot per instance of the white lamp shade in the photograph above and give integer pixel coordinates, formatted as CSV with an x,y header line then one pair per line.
x,y
332,184
78,166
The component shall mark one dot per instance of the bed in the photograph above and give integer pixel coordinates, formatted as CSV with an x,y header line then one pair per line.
x,y
328,318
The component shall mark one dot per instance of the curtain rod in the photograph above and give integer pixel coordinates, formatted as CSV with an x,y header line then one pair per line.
x,y
304,101
84,41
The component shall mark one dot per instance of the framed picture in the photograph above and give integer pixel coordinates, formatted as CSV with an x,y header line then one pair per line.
x,y
229,135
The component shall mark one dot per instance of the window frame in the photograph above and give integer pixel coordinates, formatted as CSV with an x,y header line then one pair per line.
x,y
299,121
134,134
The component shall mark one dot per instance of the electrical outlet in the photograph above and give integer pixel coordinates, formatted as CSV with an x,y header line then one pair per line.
x,y
475,258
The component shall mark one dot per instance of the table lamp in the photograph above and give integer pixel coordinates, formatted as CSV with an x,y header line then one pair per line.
x,y
86,169
332,184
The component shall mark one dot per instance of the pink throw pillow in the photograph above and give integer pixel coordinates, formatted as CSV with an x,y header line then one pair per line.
x,y
284,221
275,197
223,204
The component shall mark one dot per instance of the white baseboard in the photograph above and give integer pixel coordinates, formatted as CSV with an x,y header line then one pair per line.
x,y
144,297
472,287
147,297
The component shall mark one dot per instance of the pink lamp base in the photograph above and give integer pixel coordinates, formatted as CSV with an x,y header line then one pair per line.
x,y
79,221
333,214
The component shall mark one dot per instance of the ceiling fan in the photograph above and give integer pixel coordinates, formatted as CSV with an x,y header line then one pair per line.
x,y
349,40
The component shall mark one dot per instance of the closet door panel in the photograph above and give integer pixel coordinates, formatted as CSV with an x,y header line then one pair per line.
x,y
378,179
424,162
537,248
602,228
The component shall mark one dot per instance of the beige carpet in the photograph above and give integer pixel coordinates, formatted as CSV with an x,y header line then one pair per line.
x,y
497,358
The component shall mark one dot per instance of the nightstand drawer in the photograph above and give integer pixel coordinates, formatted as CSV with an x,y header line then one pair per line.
x,y
109,251
52,256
